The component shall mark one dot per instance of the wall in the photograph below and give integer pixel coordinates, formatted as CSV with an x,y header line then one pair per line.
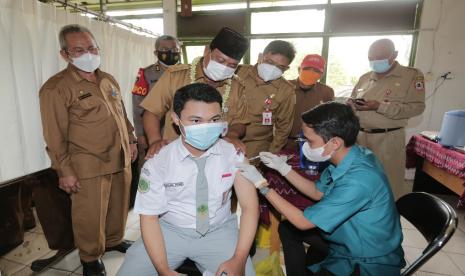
x,y
441,48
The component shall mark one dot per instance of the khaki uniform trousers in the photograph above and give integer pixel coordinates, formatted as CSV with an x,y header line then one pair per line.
x,y
99,212
389,147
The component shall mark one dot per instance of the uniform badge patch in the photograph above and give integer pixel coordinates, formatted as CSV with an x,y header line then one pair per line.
x,y
143,186
419,83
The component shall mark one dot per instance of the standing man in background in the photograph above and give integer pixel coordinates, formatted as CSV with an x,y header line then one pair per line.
x,y
216,68
167,51
309,92
384,100
270,99
91,144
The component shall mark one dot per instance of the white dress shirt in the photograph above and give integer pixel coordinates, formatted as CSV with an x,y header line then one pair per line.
x,y
171,178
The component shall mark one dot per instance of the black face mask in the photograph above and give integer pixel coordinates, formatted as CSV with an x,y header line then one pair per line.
x,y
168,57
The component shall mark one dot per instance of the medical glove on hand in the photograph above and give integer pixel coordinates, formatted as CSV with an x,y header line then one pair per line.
x,y
275,162
252,174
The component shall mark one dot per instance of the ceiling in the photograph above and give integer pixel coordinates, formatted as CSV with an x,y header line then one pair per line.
x,y
108,5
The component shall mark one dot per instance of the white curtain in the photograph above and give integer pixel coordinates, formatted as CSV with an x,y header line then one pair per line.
x,y
29,55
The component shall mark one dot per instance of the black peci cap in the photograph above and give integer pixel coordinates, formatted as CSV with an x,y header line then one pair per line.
x,y
230,43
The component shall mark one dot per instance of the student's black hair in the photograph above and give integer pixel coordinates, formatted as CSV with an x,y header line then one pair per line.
x,y
333,119
200,92
281,47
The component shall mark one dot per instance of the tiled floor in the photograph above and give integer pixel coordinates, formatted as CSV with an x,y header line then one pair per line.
x,y
449,261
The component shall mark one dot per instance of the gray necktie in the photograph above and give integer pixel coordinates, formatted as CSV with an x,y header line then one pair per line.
x,y
201,197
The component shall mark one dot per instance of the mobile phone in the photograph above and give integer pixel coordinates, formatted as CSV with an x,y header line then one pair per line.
x,y
360,101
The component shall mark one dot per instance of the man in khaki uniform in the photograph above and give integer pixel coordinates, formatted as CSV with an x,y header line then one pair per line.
x,y
215,68
309,93
168,53
90,142
270,99
384,100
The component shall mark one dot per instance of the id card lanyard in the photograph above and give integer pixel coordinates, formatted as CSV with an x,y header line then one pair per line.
x,y
267,115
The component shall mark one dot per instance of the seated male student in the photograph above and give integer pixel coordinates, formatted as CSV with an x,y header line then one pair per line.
x,y
354,228
184,197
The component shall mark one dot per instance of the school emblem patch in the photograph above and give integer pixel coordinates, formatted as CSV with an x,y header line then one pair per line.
x,y
143,186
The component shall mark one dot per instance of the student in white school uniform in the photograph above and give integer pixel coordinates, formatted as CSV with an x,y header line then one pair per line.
x,y
184,197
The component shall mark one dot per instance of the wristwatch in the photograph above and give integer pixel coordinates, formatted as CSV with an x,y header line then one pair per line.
x,y
264,190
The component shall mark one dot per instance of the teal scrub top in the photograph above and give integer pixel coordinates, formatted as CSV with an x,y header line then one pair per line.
x,y
358,217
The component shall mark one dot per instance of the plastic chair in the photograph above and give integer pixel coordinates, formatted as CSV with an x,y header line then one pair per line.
x,y
433,217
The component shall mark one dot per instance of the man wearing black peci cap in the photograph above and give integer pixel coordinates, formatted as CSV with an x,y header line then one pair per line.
x,y
216,68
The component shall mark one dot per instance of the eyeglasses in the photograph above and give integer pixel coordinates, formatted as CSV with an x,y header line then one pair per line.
x,y
174,50
78,51
281,67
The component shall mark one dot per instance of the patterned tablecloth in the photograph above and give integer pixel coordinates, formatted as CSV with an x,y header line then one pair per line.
x,y
284,188
450,160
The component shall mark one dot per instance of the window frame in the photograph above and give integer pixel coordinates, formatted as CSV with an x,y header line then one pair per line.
x,y
326,34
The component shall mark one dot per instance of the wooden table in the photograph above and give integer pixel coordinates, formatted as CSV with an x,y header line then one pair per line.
x,y
438,169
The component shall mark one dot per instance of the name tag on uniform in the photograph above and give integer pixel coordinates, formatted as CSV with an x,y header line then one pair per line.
x,y
267,118
83,96
173,185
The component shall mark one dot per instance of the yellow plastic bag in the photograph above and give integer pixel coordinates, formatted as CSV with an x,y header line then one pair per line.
x,y
263,236
270,266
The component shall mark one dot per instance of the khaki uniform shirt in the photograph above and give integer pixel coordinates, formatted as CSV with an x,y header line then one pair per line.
x,y
306,100
151,74
273,137
401,94
85,124
159,101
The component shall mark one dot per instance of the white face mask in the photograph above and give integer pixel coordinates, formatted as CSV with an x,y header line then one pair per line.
x,y
87,62
268,72
315,155
217,71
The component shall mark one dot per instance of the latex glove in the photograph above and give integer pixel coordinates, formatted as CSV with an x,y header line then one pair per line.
x,y
275,162
252,174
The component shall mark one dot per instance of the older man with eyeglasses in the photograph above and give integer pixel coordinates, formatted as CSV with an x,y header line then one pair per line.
x,y
91,144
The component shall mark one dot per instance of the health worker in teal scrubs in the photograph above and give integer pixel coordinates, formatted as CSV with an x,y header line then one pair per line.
x,y
354,227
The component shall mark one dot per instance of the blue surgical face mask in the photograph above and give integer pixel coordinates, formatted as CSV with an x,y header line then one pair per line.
x,y
203,136
380,66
